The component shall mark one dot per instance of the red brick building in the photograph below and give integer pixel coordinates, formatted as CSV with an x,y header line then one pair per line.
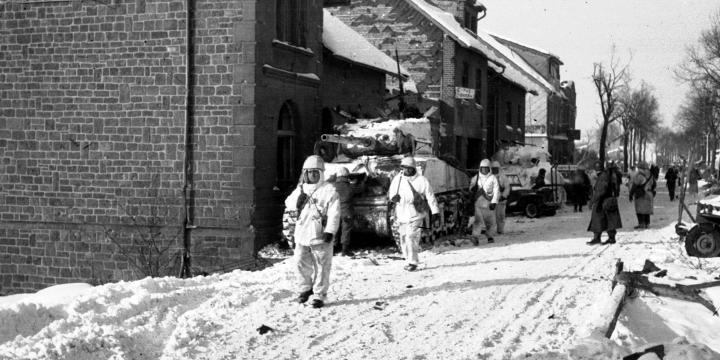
x,y
131,120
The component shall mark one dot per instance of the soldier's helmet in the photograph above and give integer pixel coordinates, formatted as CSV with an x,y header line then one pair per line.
x,y
408,161
314,162
343,171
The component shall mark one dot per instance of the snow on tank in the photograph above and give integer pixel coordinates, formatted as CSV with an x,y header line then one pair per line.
x,y
371,150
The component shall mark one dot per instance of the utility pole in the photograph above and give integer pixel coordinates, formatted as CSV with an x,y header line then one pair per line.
x,y
401,105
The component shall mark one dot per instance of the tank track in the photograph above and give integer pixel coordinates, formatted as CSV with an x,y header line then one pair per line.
x,y
455,210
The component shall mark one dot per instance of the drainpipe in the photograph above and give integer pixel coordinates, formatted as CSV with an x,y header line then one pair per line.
x,y
483,9
188,188
500,65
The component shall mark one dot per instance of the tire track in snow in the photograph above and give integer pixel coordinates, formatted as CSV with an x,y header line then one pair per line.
x,y
534,309
533,335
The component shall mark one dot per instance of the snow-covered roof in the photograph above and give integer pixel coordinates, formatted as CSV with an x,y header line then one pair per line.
x,y
516,69
523,65
346,44
532,48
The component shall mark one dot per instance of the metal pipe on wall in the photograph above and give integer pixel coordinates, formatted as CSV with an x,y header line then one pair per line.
x,y
188,188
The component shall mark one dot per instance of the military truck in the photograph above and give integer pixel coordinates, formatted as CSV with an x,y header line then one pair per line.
x,y
371,151
702,239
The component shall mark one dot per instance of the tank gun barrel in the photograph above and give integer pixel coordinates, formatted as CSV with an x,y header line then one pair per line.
x,y
349,140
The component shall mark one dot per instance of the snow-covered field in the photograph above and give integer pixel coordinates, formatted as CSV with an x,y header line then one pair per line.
x,y
535,293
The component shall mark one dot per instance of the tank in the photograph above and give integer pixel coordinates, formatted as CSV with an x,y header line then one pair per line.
x,y
371,151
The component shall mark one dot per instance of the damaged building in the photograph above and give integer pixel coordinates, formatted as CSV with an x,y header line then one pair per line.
x,y
479,85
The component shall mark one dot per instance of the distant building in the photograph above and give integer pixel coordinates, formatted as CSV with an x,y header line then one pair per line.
x,y
550,117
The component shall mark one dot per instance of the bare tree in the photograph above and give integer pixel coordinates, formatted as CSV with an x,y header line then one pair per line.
x,y
609,82
701,113
703,65
698,117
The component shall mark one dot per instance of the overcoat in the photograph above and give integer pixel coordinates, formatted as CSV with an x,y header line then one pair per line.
x,y
644,203
602,219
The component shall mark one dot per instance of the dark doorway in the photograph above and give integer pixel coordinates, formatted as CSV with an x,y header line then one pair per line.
x,y
287,174
474,154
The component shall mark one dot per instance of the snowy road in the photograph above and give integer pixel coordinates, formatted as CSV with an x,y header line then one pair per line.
x,y
535,291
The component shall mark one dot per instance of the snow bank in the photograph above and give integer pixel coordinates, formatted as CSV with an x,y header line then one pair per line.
x,y
531,295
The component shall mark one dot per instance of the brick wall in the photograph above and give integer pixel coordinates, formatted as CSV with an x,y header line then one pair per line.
x,y
285,74
223,133
388,24
92,136
468,119
355,89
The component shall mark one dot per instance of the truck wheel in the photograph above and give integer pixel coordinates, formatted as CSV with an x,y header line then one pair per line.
x,y
703,244
531,210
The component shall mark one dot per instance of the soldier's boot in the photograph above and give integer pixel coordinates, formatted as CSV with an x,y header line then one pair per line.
x,y
303,296
611,236
595,240
346,250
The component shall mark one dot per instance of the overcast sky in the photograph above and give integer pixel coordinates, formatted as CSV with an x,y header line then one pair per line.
x,y
652,34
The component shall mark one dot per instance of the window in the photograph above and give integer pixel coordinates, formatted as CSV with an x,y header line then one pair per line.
x,y
465,80
508,114
291,21
478,86
459,148
286,175
519,116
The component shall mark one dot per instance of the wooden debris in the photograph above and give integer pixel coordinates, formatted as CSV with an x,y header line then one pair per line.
x,y
625,282
684,177
641,281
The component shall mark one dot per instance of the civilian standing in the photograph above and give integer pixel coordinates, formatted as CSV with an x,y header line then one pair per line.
x,y
642,192
605,213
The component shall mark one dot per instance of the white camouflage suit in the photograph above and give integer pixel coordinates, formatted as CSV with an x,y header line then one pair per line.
x,y
504,187
312,254
409,220
484,217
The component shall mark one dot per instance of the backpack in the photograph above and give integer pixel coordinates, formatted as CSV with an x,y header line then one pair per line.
x,y
639,191
419,201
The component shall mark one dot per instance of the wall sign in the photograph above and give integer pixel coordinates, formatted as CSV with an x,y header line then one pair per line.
x,y
464,93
